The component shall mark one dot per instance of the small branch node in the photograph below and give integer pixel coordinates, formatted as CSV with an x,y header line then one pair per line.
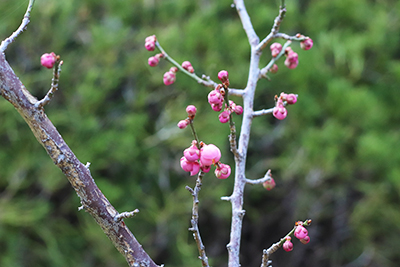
x,y
226,198
80,208
53,88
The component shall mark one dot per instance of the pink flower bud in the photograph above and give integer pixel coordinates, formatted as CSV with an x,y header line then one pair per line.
x,y
288,245
306,44
224,116
223,171
238,110
215,97
216,107
191,110
291,65
153,61
279,112
209,154
173,69
276,48
292,57
169,78
192,153
300,232
188,66
274,69
223,77
192,167
183,124
151,38
291,99
305,240
150,46
269,184
48,59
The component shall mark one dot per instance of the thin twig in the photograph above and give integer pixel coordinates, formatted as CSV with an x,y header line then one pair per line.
x,y
265,70
53,88
207,83
266,177
195,219
125,214
262,112
4,44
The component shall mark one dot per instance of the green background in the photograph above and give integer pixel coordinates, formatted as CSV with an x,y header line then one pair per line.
x,y
335,158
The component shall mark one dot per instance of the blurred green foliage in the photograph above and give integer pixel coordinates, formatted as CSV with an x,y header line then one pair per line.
x,y
335,158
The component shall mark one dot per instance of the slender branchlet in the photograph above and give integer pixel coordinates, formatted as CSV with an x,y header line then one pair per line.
x,y
25,21
54,85
125,214
195,219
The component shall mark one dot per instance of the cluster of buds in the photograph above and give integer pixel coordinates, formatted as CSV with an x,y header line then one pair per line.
x,y
292,58
195,159
170,76
280,111
48,60
191,111
300,233
217,96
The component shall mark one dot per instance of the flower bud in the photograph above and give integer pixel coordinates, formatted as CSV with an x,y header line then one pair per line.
x,y
276,48
269,184
191,110
192,153
274,69
150,46
48,59
305,240
169,78
279,112
224,116
300,232
223,77
288,245
192,167
187,66
291,99
238,110
223,171
216,107
306,44
183,124
215,97
153,61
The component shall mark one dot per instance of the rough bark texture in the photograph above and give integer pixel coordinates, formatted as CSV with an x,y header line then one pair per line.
x,y
92,199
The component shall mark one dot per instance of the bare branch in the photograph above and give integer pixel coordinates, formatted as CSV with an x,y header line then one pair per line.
x,y
246,22
275,29
4,44
195,219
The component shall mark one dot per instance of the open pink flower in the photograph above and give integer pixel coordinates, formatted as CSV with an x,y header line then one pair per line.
x,y
209,154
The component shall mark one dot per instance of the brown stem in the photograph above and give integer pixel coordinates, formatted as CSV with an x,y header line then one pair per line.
x,y
92,199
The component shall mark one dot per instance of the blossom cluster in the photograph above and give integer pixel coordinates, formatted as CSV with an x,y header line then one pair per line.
x,y
195,159
217,96
292,58
280,111
301,233
170,76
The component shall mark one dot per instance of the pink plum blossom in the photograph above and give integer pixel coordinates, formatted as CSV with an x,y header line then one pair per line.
x,y
183,124
276,48
153,61
192,153
191,110
300,232
306,44
305,240
48,59
288,245
224,116
223,77
169,78
209,154
188,166
223,171
279,112
187,66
